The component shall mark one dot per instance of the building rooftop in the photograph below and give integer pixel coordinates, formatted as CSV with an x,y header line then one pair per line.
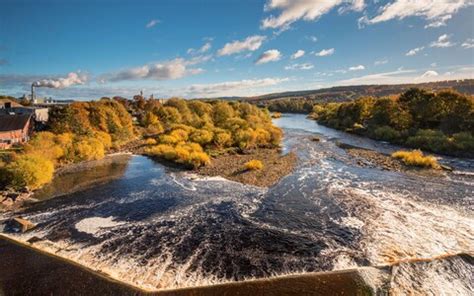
x,y
13,122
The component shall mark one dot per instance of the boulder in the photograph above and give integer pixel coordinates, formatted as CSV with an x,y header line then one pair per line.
x,y
18,225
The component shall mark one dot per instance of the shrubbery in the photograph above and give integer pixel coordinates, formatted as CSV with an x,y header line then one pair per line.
x,y
193,129
416,158
441,122
253,165
190,154
32,171
77,132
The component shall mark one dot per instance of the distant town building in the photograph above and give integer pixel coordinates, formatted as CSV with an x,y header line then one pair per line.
x,y
15,129
6,103
40,114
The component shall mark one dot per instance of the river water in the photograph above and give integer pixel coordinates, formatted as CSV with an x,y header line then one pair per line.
x,y
156,227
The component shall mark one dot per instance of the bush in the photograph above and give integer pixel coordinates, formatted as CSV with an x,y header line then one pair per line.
x,y
222,139
168,139
190,154
198,159
464,141
276,115
89,149
386,133
32,171
253,165
150,141
202,137
416,158
430,140
45,144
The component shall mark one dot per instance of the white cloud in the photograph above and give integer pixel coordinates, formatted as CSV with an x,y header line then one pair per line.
x,y
271,55
437,12
205,48
357,68
443,41
174,69
298,54
357,5
380,62
469,43
428,74
439,22
305,66
312,38
251,43
230,87
71,79
308,10
325,52
414,51
152,23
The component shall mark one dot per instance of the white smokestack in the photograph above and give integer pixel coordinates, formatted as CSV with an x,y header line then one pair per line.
x,y
71,79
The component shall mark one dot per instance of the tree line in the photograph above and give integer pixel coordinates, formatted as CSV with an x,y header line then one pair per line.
x,y
441,122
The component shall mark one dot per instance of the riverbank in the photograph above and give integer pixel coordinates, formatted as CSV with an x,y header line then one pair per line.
x,y
232,167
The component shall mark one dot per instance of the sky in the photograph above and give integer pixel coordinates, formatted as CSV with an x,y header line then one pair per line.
x,y
84,50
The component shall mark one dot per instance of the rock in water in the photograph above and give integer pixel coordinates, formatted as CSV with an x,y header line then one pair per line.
x,y
18,225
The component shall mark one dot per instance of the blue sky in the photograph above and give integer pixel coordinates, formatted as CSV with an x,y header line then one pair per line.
x,y
203,48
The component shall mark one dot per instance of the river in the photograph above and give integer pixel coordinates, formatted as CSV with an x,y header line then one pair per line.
x,y
156,227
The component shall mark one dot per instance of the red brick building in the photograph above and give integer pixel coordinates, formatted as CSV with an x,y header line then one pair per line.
x,y
14,129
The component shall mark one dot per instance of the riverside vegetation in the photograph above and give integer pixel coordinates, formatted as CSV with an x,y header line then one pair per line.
x,y
441,122
185,132
79,132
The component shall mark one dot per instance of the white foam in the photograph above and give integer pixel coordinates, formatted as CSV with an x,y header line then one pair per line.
x,y
94,224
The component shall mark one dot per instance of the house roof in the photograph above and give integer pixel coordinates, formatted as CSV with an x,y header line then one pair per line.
x,y
13,103
13,122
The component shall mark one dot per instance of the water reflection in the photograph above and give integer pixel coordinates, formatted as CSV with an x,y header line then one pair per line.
x,y
110,168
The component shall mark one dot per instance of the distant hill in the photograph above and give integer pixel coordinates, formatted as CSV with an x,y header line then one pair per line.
x,y
347,93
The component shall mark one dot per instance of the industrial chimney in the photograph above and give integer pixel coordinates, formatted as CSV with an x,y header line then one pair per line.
x,y
32,93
